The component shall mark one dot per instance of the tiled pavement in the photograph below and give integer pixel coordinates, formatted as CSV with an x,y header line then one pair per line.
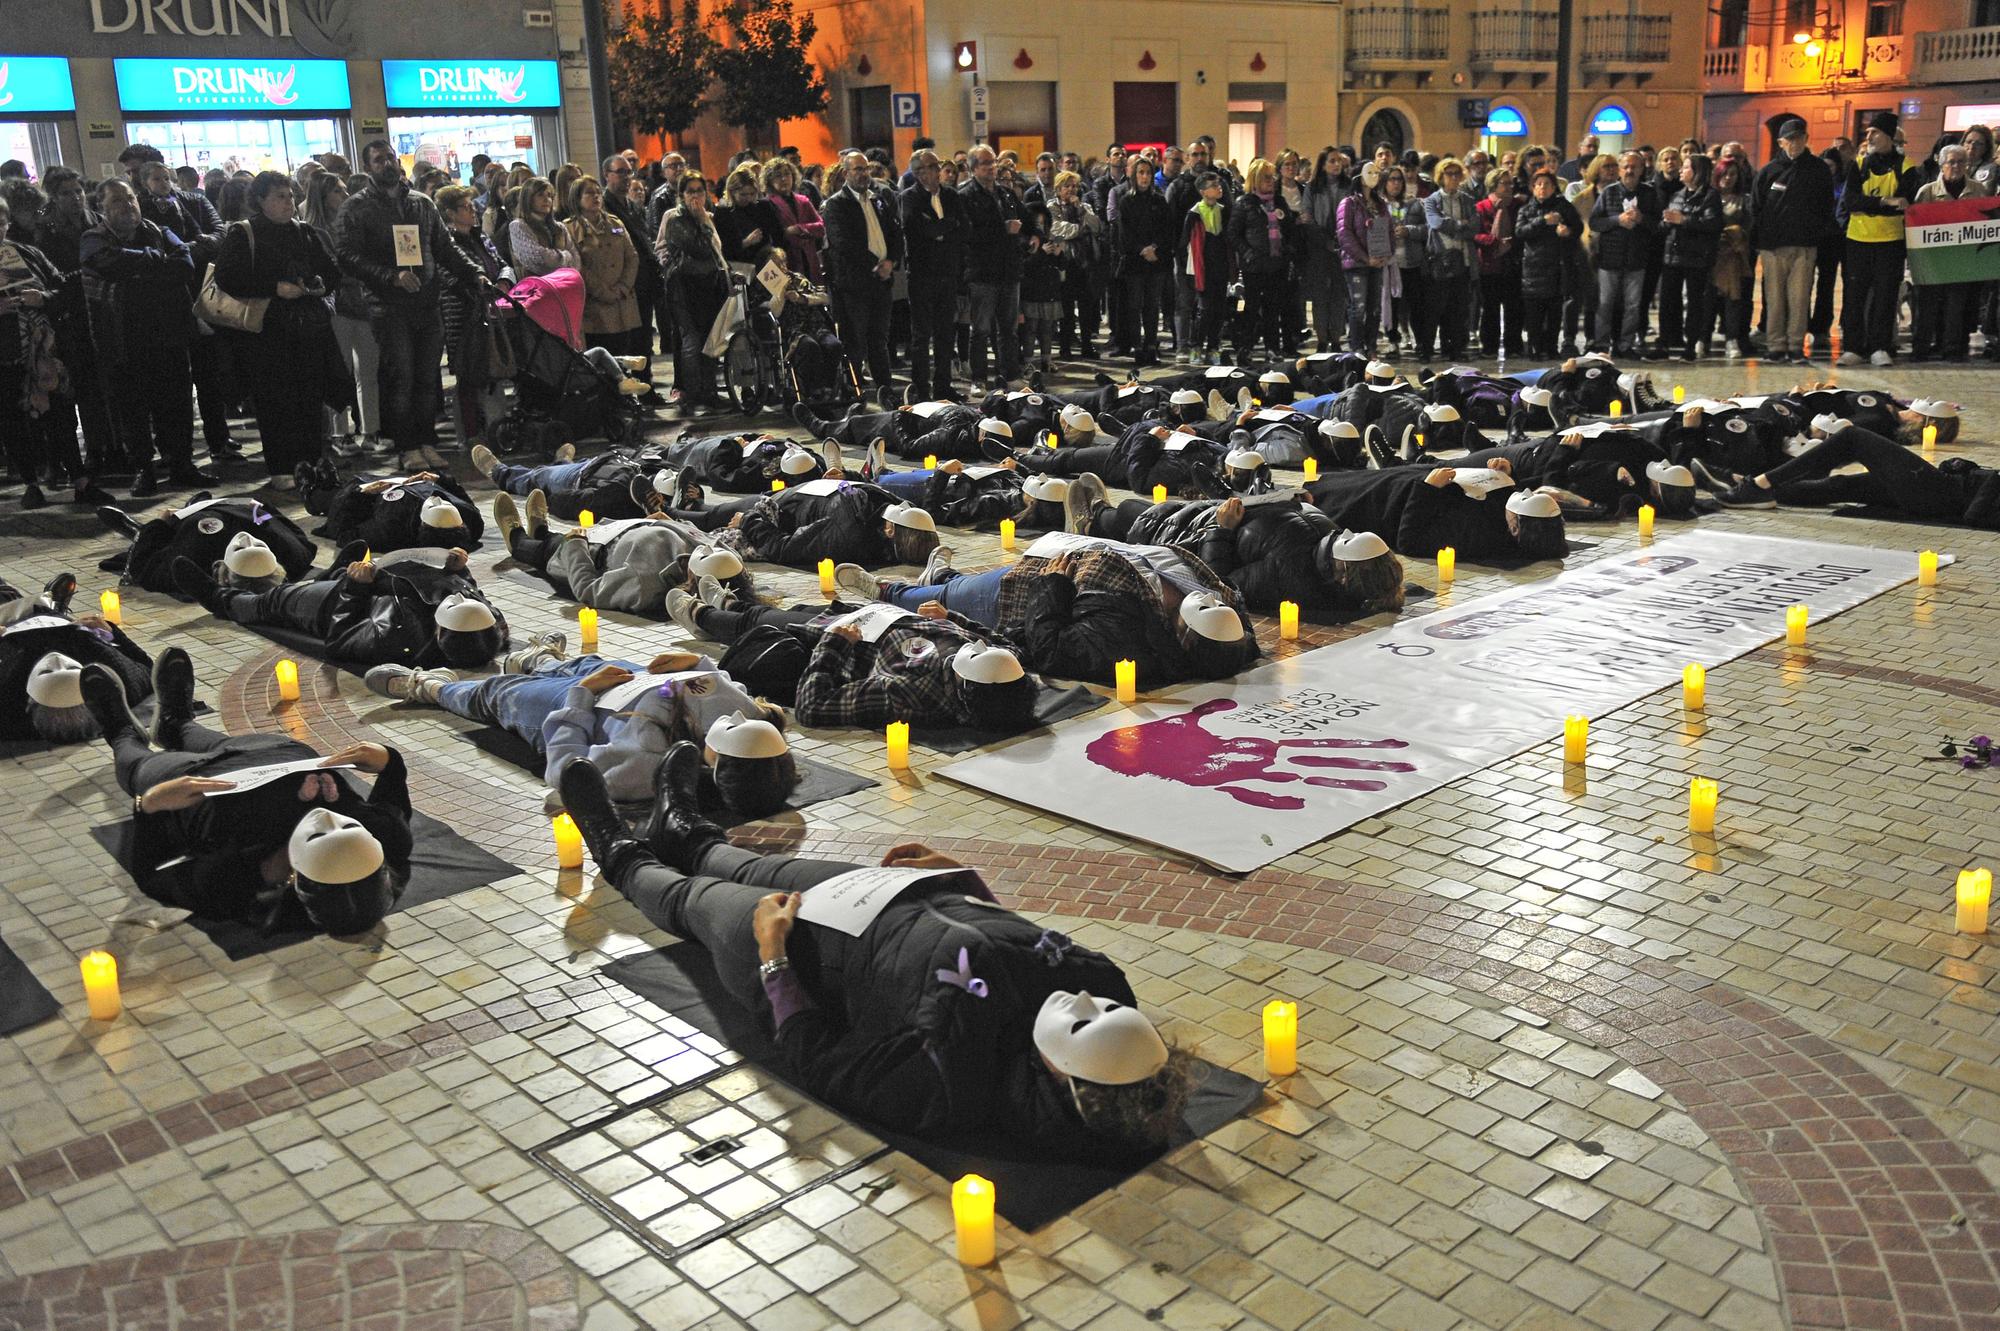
x,y
1561,1064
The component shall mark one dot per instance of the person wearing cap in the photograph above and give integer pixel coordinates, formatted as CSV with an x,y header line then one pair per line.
x,y
1948,311
850,522
948,1014
201,531
415,512
1957,491
1881,185
43,650
627,564
312,850
1420,512
1272,553
559,709
1792,211
416,608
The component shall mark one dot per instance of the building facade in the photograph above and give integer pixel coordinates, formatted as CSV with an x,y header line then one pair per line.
x,y
1259,75
1835,63
267,83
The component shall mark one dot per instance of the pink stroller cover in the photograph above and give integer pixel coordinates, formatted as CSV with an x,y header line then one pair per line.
x,y
554,301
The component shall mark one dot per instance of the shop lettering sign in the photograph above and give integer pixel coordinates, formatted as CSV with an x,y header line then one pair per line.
x,y
523,84
192,18
232,85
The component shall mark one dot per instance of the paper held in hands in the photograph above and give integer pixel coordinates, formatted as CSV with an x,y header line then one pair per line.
x,y
872,620
851,901
1480,481
249,778
620,697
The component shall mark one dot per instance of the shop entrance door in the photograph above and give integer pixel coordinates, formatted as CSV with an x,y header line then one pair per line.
x,y
450,142
240,145
31,142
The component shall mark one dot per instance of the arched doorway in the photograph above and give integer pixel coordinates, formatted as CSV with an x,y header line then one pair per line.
x,y
1385,126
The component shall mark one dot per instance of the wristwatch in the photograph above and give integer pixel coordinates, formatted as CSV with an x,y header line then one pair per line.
x,y
765,970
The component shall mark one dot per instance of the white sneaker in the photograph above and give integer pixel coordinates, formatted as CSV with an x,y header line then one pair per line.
x,y
680,607
631,364
1881,359
407,685
1851,358
542,649
936,566
711,593
874,459
484,461
834,460
856,579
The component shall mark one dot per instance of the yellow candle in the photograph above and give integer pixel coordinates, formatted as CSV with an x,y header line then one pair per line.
x,y
586,626
1701,805
1288,619
1576,736
1052,439
1645,522
1159,494
109,605
899,745
1281,1038
1795,625
1617,409
100,984
1127,673
1312,469
569,842
287,672
826,577
1926,569
777,486
1447,563
972,1216
1420,441
586,519
1680,394
1975,895
1694,687
1006,533
1930,437
930,462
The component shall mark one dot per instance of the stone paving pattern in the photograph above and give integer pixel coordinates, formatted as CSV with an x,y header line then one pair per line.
x,y
1562,1065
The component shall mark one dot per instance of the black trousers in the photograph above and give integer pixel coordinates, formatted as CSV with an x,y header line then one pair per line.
x,y
212,360
1945,316
296,605
1896,477
1264,312
33,444
151,394
410,346
933,316
1874,284
1143,289
861,311
139,768
1686,297
726,626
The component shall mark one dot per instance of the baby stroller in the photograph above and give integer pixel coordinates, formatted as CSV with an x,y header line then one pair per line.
x,y
559,396
785,351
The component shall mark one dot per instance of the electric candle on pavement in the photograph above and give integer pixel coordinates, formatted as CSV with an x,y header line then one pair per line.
x,y
1795,625
1006,533
287,672
1975,895
1288,619
1159,494
1281,1038
586,519
776,486
1447,563
972,1217
1694,687
1576,736
1127,675
111,608
569,842
1617,409
586,625
1926,569
930,462
1701,805
826,577
100,985
1930,437
898,736
1312,469
1680,394
1645,522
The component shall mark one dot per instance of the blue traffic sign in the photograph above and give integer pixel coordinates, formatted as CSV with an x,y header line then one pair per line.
x,y
906,110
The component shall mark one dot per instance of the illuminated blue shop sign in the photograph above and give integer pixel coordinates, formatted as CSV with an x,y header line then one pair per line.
x,y
487,85
1611,120
1505,122
195,86
34,83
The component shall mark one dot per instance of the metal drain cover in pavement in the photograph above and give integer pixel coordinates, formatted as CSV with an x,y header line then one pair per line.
x,y
704,1160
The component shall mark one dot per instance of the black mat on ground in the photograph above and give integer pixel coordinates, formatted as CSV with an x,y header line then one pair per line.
x,y
1051,705
818,781
143,713
1330,618
442,864
23,1001
1028,1192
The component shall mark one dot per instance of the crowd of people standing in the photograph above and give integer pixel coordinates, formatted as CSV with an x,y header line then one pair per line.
x,y
330,299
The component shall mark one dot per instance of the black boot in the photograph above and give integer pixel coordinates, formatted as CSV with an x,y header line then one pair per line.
x,y
675,829
104,696
587,800
173,696
195,584
56,595
118,521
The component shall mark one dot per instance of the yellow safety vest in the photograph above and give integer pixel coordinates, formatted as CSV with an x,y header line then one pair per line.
x,y
1878,227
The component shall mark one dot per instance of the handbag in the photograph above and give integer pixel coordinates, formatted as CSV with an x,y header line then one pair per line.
x,y
218,309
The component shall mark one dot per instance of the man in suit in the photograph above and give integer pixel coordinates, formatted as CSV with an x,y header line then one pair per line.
x,y
996,251
934,232
864,241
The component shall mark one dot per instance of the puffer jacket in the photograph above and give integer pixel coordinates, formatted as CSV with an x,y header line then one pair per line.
x,y
1144,219
392,619
1250,235
390,519
26,641
1416,518
1694,241
1620,248
364,241
739,464
1545,256
201,531
1269,557
800,529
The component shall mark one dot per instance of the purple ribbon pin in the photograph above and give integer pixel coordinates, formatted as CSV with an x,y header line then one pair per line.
x,y
963,978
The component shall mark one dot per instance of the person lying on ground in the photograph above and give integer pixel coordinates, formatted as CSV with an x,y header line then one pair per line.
x,y
1420,512
201,530
1957,491
423,511
43,650
626,564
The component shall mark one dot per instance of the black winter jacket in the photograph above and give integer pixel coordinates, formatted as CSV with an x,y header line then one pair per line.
x,y
800,529
1693,241
392,619
1546,256
205,532
1250,235
137,290
1269,557
737,464
26,642
1416,518
1792,202
933,246
1620,249
991,255
1144,219
389,519
364,241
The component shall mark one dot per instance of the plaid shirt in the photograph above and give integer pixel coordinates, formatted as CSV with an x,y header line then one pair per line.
x,y
905,675
1097,570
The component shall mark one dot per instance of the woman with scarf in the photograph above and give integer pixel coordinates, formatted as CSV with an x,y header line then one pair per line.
x,y
1450,255
1548,229
1076,237
697,280
1292,187
1735,261
1321,270
747,221
1367,250
1404,294
1206,255
610,266
535,237
803,231
1262,227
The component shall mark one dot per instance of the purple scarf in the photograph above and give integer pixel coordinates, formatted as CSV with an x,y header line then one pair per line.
x,y
1268,198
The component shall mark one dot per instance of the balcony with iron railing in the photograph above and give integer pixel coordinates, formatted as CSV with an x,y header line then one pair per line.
x,y
1514,40
1626,45
1397,37
1957,55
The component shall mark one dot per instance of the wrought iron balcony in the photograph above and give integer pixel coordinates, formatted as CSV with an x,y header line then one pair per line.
x,y
1390,37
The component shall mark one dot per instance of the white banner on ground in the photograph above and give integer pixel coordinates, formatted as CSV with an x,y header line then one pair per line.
x,y
1242,772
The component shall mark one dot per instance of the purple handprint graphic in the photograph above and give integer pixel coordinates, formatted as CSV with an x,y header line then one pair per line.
x,y
1180,748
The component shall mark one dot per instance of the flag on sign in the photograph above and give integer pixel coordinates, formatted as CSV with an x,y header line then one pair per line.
x,y
1954,240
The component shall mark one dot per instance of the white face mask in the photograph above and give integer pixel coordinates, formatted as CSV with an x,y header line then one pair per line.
x,y
330,847
1097,1039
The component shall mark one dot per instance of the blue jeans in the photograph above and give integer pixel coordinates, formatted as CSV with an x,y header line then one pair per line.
x,y
1621,310
549,480
520,703
974,595
908,486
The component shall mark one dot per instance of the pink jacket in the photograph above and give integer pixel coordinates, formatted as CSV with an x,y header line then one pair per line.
x,y
797,210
